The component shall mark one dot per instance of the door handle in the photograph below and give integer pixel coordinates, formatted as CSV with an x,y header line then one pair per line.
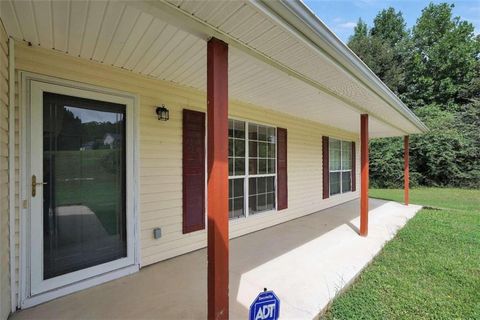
x,y
34,185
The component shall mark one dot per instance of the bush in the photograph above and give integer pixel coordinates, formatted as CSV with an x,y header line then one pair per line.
x,y
447,155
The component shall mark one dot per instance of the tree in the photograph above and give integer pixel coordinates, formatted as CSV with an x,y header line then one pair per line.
x,y
359,41
440,153
360,30
382,48
444,59
389,26
435,70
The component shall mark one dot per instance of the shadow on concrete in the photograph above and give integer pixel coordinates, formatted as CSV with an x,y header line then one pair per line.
x,y
353,227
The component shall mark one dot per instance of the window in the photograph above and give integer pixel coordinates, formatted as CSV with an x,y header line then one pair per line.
x,y
340,166
251,168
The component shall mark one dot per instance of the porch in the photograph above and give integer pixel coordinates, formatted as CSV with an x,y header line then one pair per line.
x,y
254,70
306,261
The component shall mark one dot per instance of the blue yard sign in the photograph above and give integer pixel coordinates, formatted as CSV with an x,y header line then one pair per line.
x,y
265,307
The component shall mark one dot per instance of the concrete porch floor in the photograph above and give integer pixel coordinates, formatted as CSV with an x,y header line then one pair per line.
x,y
304,261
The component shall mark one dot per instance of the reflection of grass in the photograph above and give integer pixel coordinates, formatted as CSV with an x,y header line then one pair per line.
x,y
430,270
99,188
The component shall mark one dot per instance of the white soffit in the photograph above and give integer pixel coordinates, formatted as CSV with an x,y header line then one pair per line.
x,y
125,35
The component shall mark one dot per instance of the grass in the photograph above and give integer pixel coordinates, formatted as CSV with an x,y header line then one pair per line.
x,y
444,198
430,270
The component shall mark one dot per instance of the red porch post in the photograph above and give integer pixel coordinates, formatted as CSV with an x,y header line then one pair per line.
x,y
364,175
406,157
217,123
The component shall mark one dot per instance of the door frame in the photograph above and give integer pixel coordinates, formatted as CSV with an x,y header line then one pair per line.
x,y
92,276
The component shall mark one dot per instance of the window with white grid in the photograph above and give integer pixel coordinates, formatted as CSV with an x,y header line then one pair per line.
x,y
252,168
340,157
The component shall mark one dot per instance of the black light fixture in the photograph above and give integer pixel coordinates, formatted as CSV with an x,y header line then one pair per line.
x,y
162,113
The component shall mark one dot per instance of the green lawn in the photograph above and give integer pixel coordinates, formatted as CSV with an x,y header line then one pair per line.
x,y
447,198
430,270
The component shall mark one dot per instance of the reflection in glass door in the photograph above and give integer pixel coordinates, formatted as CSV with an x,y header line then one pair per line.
x,y
84,176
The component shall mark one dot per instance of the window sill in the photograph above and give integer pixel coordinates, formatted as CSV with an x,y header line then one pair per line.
x,y
255,216
340,194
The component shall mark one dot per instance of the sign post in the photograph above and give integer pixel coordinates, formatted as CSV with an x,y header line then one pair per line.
x,y
265,307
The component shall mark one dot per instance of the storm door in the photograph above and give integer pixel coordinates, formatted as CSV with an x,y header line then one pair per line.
x,y
78,185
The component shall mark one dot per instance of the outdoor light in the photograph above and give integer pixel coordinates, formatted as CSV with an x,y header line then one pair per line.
x,y
162,113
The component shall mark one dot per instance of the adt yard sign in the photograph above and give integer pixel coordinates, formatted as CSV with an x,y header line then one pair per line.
x,y
265,307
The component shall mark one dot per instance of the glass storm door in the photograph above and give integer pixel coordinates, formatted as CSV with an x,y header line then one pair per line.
x,y
78,186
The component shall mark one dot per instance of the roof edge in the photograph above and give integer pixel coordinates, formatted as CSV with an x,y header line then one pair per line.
x,y
324,36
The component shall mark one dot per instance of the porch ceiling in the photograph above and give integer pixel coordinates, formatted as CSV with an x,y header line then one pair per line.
x,y
269,65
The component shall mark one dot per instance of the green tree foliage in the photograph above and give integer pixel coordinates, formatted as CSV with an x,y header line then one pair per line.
x,y
435,69
443,60
390,27
377,47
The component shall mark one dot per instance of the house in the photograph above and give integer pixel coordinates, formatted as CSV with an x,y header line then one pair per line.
x,y
269,120
89,145
111,139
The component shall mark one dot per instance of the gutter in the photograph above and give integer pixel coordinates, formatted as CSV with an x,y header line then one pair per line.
x,y
308,25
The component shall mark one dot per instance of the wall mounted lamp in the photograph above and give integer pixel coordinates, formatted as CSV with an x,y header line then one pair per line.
x,y
162,113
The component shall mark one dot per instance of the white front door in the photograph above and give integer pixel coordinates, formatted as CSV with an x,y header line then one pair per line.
x,y
81,163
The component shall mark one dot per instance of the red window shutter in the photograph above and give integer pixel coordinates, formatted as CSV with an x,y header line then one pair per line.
x,y
354,169
325,167
282,192
193,171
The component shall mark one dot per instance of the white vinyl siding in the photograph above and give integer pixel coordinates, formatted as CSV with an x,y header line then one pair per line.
x,y
160,144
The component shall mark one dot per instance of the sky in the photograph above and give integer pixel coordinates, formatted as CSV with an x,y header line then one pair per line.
x,y
88,115
341,16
